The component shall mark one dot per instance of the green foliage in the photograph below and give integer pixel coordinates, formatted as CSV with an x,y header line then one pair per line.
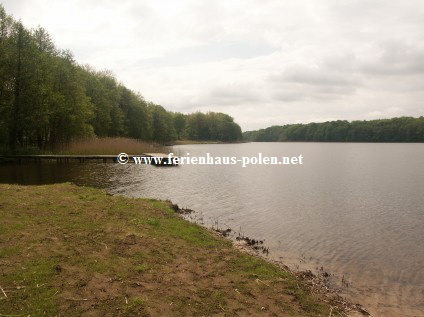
x,y
403,129
47,100
212,126
162,124
180,122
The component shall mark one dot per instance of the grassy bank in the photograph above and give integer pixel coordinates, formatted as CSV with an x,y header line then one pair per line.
x,y
77,251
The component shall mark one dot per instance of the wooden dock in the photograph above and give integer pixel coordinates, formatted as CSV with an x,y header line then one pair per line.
x,y
145,158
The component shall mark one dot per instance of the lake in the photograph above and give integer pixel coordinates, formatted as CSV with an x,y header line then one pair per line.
x,y
355,209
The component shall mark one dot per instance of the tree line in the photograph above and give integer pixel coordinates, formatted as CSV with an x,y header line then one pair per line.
x,y
402,129
47,99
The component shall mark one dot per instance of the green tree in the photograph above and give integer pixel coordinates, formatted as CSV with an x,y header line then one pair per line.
x,y
162,124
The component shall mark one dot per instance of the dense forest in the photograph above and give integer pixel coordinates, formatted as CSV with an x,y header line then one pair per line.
x,y
47,99
403,129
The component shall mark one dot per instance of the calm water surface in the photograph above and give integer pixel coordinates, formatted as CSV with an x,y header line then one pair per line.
x,y
357,210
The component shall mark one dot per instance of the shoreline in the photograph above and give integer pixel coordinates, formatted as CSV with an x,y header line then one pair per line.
x,y
317,283
81,250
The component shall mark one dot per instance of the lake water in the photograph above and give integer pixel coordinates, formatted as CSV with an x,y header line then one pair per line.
x,y
355,209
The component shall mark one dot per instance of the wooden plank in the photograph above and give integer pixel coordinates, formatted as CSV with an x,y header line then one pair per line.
x,y
163,155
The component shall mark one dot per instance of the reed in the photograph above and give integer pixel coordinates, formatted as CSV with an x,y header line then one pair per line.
x,y
109,146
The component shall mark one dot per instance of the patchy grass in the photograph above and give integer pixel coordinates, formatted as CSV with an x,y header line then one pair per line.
x,y
76,251
142,268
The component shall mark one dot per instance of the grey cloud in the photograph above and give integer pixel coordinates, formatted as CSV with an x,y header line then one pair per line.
x,y
288,95
139,9
318,77
303,83
396,59
215,51
234,95
14,6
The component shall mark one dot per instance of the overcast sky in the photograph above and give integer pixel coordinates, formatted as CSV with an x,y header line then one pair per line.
x,y
264,62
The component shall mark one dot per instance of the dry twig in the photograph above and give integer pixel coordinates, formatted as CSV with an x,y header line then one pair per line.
x,y
4,293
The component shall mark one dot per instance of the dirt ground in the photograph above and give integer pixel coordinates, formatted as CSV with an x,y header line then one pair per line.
x,y
77,251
